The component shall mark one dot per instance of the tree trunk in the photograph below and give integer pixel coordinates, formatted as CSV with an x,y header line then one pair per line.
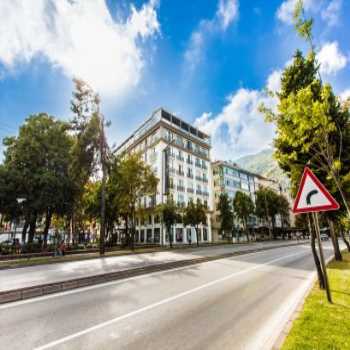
x,y
32,227
197,236
24,230
246,230
47,226
345,240
337,253
314,253
170,236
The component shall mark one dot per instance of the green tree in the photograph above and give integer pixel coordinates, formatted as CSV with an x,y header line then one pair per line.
x,y
225,214
243,207
137,182
39,159
170,215
194,215
86,127
283,210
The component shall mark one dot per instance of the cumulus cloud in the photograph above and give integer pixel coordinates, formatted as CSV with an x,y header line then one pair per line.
x,y
331,13
274,81
345,95
331,59
80,38
286,9
227,12
239,128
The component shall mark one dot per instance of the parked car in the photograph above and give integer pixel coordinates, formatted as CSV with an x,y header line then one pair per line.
x,y
324,237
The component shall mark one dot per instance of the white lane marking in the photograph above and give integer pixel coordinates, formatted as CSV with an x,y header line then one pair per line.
x,y
159,303
106,284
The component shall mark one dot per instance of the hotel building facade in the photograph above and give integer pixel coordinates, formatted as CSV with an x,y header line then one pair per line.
x,y
179,155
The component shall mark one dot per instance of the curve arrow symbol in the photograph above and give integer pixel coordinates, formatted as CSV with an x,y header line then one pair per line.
x,y
309,195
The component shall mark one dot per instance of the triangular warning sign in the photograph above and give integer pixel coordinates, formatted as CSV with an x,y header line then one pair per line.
x,y
312,196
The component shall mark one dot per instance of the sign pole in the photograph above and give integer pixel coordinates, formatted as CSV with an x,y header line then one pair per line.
x,y
329,296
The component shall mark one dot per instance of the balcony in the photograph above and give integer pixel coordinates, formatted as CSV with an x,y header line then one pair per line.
x,y
199,192
199,165
199,178
180,172
190,190
181,188
206,194
189,175
188,161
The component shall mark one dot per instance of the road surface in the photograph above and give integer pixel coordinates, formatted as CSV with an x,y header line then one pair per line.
x,y
35,275
241,302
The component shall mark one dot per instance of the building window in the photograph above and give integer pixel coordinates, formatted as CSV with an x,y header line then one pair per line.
x,y
156,219
142,236
179,234
157,235
136,238
205,234
149,235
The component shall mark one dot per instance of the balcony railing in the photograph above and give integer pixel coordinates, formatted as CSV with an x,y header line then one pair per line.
x,y
190,190
181,188
199,192
199,178
188,161
180,172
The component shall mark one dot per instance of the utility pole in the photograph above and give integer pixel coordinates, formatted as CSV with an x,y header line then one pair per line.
x,y
103,185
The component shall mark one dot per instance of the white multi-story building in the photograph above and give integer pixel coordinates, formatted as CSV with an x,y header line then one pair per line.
x,y
179,155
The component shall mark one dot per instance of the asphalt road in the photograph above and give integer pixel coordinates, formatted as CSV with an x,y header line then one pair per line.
x,y
41,274
237,303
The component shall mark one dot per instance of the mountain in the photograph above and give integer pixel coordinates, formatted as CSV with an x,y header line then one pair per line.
x,y
264,164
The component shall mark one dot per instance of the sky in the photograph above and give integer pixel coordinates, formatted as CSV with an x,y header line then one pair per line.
x,y
207,61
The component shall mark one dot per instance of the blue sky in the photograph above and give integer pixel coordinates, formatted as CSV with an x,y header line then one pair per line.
x,y
207,61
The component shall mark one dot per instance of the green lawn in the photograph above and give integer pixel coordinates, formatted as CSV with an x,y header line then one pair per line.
x,y
321,325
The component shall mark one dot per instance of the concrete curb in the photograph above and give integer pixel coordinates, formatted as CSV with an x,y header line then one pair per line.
x,y
287,328
56,287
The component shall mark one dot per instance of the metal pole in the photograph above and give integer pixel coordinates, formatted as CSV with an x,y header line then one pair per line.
x,y
324,268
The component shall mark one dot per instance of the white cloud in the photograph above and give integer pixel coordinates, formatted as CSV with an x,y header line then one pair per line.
x,y
80,38
345,95
286,10
274,81
331,13
331,59
239,129
226,13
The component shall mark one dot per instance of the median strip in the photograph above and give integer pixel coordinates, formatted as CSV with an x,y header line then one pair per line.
x,y
56,287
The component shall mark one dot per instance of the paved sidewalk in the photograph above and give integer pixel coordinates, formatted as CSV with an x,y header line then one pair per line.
x,y
32,276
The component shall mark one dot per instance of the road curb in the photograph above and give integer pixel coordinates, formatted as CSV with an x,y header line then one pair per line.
x,y
56,287
288,326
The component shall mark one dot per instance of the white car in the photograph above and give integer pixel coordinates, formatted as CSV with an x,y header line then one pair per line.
x,y
324,237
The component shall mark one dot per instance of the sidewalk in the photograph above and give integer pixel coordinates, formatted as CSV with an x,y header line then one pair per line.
x,y
111,267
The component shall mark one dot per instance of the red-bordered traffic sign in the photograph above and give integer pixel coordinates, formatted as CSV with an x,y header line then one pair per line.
x,y
312,195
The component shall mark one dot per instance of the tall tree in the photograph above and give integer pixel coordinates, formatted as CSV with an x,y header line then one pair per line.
x,y
243,207
194,215
267,206
170,215
225,215
137,182
39,159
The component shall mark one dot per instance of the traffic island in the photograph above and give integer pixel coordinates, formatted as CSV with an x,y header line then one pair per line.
x,y
321,325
